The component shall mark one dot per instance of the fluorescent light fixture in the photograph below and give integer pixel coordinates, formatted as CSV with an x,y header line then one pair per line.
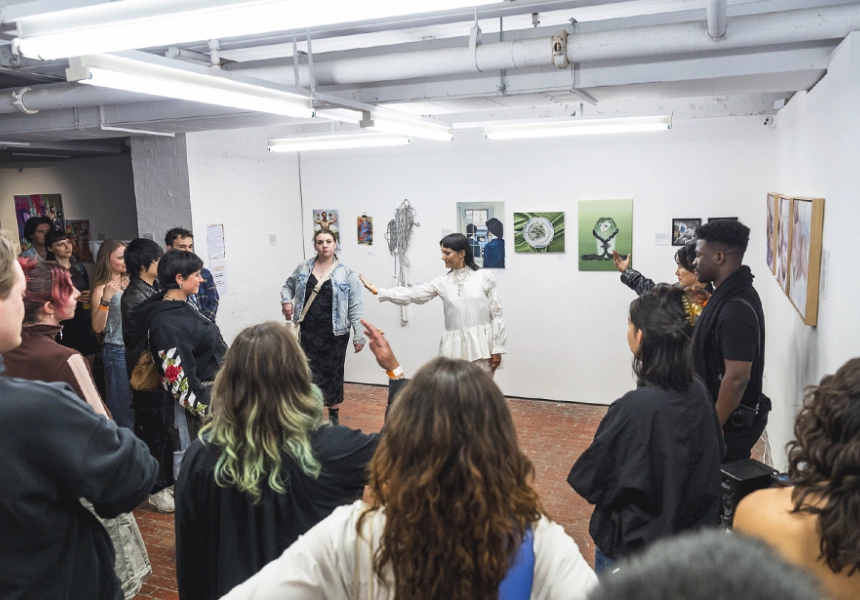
x,y
130,24
406,125
335,142
514,131
41,155
158,76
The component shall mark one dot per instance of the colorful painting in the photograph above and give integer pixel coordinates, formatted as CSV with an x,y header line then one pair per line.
x,y
364,228
783,238
79,234
807,219
539,232
38,205
483,224
771,232
327,219
684,231
605,226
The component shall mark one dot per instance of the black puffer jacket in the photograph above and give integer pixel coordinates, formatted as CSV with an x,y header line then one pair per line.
x,y
187,349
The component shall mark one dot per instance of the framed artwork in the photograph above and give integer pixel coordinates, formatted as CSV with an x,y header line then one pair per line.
x,y
807,227
684,231
710,219
364,230
79,234
327,219
38,205
484,224
539,232
783,241
771,232
604,226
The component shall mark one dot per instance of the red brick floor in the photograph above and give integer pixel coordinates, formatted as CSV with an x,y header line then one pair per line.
x,y
553,434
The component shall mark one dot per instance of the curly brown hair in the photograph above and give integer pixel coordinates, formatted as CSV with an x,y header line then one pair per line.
x,y
455,486
824,464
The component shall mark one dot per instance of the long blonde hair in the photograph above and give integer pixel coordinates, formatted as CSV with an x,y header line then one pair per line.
x,y
103,270
264,405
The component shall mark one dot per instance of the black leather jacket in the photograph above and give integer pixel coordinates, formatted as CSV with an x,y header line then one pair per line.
x,y
135,339
633,279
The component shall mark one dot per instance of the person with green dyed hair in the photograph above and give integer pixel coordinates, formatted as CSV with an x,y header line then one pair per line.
x,y
266,467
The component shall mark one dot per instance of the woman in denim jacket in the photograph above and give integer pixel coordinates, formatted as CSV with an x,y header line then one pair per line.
x,y
325,317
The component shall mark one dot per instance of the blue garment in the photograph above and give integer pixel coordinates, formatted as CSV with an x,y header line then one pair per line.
x,y
30,253
601,561
494,254
346,298
517,584
206,298
118,388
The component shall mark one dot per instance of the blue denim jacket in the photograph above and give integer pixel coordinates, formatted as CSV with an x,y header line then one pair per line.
x,y
346,298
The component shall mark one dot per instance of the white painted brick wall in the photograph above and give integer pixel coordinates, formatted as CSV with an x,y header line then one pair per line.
x,y
160,166
234,180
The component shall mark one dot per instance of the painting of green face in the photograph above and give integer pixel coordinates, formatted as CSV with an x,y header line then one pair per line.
x,y
604,227
539,232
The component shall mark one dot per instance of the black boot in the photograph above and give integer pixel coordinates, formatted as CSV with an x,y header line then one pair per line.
x,y
332,416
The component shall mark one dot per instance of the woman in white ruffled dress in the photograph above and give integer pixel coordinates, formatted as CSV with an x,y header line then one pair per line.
x,y
474,327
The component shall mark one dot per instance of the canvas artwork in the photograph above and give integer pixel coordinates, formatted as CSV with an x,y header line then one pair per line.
x,y
604,226
807,217
327,219
79,234
483,223
684,231
783,238
365,230
539,232
38,205
771,232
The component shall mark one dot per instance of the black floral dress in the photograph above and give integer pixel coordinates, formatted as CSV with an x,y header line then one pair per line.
x,y
326,351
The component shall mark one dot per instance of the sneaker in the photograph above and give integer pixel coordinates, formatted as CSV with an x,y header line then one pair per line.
x,y
162,501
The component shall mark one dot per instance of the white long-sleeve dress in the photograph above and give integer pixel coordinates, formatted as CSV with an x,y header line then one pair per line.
x,y
474,327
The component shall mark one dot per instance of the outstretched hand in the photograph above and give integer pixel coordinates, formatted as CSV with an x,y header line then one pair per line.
x,y
370,287
379,346
622,264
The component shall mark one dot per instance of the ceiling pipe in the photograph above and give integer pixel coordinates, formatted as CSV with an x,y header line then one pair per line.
x,y
833,22
66,95
717,19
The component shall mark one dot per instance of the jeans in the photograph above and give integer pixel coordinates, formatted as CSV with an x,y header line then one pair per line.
x,y
118,388
187,426
601,561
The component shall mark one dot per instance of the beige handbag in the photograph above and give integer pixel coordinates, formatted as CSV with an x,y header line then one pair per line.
x,y
297,325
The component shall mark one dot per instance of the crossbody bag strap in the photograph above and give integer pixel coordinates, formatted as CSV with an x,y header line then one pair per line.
x,y
316,291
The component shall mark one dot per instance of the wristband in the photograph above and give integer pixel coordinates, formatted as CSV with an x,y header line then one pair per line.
x,y
103,307
396,373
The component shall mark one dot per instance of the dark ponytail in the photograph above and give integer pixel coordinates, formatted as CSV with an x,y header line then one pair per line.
x,y
665,357
457,242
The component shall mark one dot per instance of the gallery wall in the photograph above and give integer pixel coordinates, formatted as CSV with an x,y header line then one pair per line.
x,y
817,142
566,328
236,182
99,189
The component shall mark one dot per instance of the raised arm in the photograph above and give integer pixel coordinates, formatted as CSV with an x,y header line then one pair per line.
x,y
416,294
101,297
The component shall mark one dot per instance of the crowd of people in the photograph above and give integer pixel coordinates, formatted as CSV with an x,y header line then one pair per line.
x,y
275,499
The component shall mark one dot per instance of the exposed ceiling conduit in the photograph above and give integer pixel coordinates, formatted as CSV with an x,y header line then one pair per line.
x,y
717,19
833,22
66,95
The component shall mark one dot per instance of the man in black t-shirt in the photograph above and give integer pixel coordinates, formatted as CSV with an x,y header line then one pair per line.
x,y
729,340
